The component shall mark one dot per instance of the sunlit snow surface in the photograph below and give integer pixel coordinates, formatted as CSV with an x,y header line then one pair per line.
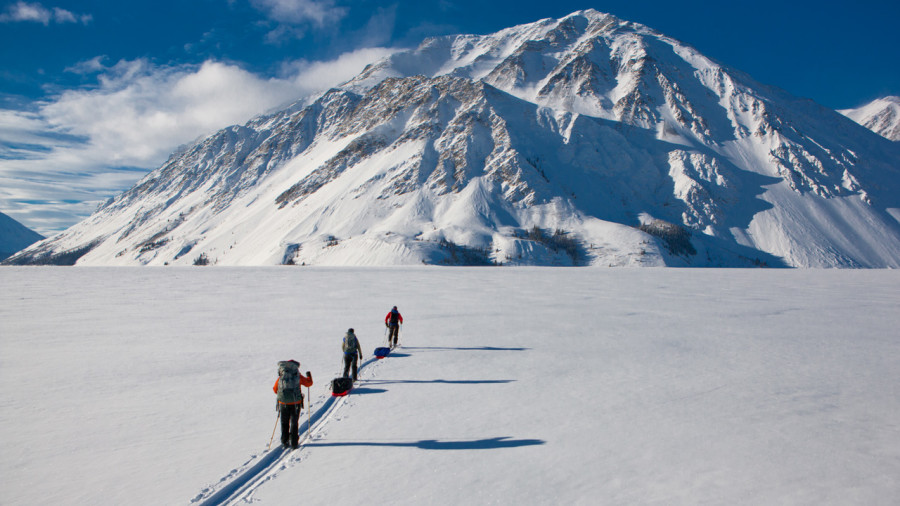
x,y
513,386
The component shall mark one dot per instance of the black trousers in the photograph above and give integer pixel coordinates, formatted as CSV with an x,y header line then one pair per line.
x,y
350,362
393,334
290,424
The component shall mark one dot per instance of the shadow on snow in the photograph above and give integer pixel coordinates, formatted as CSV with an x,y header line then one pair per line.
x,y
449,382
493,443
476,348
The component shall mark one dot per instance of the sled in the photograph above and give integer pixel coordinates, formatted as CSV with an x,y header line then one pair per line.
x,y
341,386
382,352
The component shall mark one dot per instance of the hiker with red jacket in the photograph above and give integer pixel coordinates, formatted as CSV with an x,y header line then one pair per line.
x,y
392,321
289,389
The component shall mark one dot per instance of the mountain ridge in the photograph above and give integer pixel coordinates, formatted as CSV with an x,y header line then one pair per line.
x,y
881,115
14,236
586,140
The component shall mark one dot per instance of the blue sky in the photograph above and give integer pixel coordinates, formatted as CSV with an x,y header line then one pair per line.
x,y
95,93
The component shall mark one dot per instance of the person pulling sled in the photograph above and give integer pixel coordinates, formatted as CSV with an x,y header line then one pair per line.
x,y
289,391
352,353
392,321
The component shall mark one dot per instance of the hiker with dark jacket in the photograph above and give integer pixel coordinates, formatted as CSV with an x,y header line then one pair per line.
x,y
289,389
392,321
352,353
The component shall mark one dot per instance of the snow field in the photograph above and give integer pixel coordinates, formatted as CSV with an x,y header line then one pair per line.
x,y
514,385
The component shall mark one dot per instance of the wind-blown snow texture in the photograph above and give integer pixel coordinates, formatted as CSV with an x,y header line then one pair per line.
x,y
882,116
14,236
513,386
586,140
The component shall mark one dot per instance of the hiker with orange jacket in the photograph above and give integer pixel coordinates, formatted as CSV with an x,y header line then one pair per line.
x,y
289,389
392,321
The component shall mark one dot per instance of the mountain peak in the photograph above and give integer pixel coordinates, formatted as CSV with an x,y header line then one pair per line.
x,y
882,116
14,236
585,140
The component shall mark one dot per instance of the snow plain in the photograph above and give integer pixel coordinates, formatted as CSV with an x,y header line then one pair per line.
x,y
514,386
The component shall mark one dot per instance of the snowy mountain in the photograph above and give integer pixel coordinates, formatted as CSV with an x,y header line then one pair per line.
x,y
14,236
881,116
586,140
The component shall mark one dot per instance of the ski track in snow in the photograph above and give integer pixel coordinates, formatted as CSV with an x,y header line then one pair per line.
x,y
239,485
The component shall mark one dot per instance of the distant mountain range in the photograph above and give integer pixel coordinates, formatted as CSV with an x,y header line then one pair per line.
x,y
881,116
14,236
586,140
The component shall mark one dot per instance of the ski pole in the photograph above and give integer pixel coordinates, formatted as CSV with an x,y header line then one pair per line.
x,y
308,416
277,416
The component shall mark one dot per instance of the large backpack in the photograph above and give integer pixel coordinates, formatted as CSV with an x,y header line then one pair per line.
x,y
289,389
351,344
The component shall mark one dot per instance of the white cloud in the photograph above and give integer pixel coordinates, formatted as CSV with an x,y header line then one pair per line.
x,y
300,11
92,66
58,161
293,17
37,13
141,111
319,75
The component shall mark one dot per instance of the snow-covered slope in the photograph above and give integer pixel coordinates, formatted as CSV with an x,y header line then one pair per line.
x,y
586,140
14,236
882,116
514,386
